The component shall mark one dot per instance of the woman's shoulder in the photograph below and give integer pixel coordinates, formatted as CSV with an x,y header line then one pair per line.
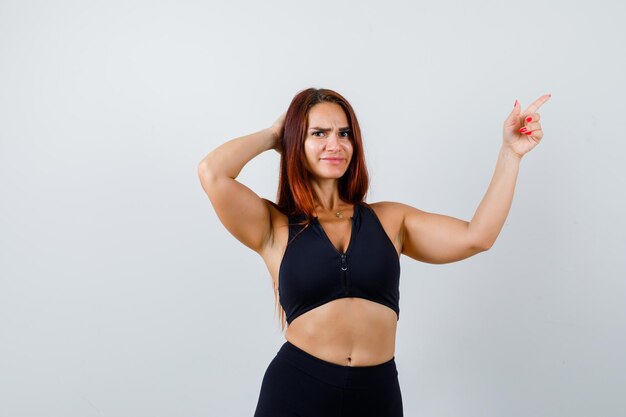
x,y
388,210
387,206
394,211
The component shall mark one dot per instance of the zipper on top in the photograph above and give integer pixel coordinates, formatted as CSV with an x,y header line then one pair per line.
x,y
344,268
344,264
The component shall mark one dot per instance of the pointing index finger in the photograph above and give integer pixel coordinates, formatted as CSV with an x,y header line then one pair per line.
x,y
537,103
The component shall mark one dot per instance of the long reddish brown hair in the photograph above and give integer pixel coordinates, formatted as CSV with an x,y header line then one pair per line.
x,y
295,195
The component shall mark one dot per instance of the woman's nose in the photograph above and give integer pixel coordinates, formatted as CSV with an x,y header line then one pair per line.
x,y
333,140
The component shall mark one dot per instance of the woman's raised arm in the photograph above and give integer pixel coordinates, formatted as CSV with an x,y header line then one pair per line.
x,y
437,238
246,215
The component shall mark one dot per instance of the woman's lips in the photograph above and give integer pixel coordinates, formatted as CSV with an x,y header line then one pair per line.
x,y
333,160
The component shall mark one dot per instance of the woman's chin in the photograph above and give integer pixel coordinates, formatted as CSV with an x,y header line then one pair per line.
x,y
329,175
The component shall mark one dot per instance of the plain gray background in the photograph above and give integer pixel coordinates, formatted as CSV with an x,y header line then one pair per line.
x,y
121,294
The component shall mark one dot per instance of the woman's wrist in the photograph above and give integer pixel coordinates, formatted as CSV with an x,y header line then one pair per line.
x,y
273,138
274,133
507,152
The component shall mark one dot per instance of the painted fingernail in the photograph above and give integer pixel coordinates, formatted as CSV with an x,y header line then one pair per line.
x,y
528,133
515,104
528,119
522,130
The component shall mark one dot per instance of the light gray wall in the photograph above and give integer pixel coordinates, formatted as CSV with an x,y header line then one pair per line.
x,y
121,294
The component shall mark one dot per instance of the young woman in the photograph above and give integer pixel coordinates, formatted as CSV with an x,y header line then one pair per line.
x,y
334,259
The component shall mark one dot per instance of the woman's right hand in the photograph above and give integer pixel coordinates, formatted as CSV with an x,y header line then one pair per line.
x,y
277,128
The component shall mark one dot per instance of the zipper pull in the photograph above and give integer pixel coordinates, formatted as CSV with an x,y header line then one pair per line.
x,y
344,266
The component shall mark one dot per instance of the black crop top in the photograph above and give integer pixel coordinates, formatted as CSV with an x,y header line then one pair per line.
x,y
313,272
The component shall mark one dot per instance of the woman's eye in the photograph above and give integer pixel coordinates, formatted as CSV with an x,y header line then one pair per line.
x,y
344,134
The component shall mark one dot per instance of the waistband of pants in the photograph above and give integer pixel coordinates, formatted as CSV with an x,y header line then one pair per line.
x,y
335,374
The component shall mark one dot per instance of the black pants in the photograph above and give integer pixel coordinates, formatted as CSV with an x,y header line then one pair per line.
x,y
298,384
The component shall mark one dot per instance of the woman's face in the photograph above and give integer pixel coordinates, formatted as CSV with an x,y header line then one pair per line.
x,y
328,143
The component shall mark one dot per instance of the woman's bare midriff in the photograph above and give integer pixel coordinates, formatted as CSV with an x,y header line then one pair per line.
x,y
347,331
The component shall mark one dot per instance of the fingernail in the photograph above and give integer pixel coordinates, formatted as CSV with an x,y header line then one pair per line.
x,y
528,119
522,130
515,103
528,133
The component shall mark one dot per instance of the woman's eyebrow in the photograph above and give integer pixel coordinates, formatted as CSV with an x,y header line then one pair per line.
x,y
328,129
